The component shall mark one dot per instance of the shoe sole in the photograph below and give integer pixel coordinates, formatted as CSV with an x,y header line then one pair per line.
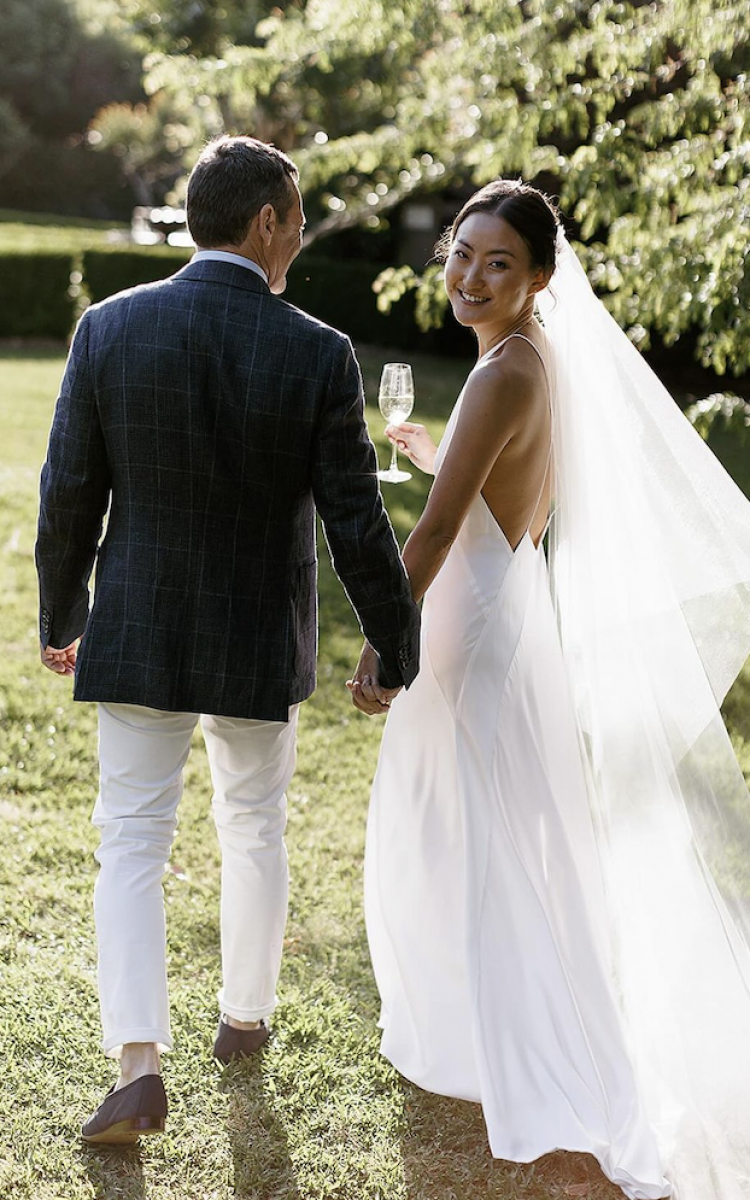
x,y
125,1133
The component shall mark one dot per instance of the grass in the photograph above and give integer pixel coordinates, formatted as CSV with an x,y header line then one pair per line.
x,y
320,1115
37,231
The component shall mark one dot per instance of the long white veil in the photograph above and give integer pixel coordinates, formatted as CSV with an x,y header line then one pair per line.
x,y
649,558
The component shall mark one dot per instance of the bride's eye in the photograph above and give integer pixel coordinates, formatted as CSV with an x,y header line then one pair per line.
x,y
459,253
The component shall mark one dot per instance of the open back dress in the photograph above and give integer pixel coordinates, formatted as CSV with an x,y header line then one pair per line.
x,y
482,889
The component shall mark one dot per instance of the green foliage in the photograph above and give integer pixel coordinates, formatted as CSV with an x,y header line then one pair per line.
x,y
393,283
431,302
341,294
149,140
722,412
36,299
191,26
62,176
13,133
723,420
106,271
54,73
39,44
636,115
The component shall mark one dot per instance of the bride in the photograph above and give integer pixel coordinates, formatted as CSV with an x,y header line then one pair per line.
x,y
557,869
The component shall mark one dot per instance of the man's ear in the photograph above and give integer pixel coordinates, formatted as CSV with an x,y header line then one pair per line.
x,y
267,222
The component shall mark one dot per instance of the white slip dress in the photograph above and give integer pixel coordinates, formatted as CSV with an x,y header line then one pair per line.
x,y
483,897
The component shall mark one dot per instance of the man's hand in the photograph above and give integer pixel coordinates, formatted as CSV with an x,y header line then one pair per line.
x,y
367,694
62,662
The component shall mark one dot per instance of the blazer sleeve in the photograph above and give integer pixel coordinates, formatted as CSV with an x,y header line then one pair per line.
x,y
360,538
75,488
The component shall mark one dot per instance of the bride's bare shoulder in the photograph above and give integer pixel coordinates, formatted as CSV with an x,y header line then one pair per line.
x,y
513,380
523,352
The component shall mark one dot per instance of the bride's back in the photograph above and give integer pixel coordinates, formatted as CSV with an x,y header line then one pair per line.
x,y
518,489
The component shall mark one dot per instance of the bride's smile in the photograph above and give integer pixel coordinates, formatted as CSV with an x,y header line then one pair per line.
x,y
490,277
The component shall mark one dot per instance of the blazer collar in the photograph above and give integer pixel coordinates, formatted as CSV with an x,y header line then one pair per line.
x,y
210,270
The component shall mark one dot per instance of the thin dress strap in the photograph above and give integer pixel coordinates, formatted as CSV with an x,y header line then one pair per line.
x,y
523,338
535,348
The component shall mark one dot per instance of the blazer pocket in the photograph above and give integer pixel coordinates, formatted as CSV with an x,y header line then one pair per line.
x,y
305,618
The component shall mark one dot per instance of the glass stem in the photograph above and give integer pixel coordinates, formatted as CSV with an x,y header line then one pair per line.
x,y
393,466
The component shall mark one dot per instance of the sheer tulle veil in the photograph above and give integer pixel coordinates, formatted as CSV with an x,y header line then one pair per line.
x,y
649,556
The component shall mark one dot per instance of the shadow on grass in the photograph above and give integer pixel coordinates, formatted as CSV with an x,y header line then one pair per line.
x,y
445,1153
338,955
114,1172
260,1153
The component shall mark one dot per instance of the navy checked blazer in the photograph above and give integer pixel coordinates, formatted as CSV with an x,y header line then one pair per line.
x,y
212,418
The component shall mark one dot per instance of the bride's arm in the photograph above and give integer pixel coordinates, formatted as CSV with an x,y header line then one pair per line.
x,y
499,400
415,442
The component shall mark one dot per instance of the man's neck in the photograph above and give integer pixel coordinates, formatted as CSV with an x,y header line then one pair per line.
x,y
235,254
230,250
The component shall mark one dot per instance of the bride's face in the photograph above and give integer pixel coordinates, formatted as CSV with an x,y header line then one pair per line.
x,y
489,276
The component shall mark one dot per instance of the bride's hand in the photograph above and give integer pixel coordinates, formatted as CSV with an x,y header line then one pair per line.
x,y
415,442
367,694
61,662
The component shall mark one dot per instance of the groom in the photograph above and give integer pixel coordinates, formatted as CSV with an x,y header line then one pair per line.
x,y
210,419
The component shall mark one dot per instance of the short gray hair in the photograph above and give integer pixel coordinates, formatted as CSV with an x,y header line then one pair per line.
x,y
230,183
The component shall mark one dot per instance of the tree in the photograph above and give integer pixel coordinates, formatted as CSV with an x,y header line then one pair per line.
x,y
150,140
55,72
636,114
13,136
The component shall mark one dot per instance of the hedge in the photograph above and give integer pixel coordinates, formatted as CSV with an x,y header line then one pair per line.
x,y
36,299
110,270
340,293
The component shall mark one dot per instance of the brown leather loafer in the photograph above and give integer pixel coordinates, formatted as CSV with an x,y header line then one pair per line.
x,y
138,1108
232,1043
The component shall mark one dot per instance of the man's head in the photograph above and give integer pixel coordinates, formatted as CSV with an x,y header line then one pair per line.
x,y
243,197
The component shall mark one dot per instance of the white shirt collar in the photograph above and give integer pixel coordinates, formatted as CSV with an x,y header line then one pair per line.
x,y
225,256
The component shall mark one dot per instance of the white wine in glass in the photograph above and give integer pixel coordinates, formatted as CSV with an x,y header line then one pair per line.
x,y
395,401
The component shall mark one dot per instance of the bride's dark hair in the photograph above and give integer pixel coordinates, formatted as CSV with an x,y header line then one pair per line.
x,y
528,210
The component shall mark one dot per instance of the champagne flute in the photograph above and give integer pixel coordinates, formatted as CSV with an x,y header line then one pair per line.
x,y
395,401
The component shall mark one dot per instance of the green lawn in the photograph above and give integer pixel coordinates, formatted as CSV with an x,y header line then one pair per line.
x,y
318,1116
37,231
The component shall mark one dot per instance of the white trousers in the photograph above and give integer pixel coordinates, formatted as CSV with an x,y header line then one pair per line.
x,y
142,753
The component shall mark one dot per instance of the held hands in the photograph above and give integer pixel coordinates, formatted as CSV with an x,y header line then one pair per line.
x,y
415,442
367,694
62,662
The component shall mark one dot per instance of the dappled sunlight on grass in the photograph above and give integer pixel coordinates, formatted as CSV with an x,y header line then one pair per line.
x,y
319,1115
